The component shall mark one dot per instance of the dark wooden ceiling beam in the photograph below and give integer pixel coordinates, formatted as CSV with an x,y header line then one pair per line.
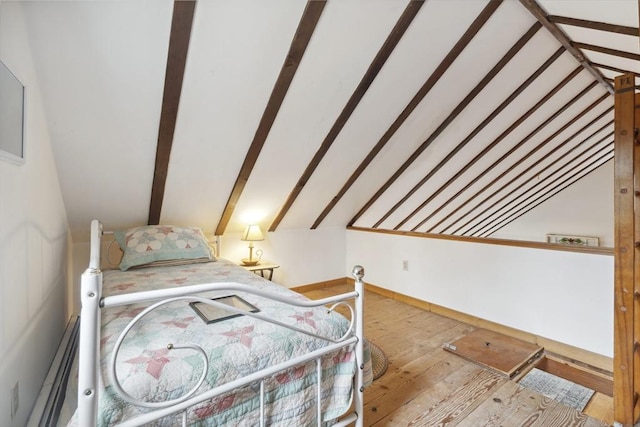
x,y
607,50
469,211
611,68
181,23
591,167
535,9
507,57
490,118
376,65
594,25
306,27
518,145
498,205
526,171
457,49
546,195
504,134
551,189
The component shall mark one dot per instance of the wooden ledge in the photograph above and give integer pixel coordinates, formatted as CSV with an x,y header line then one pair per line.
x,y
598,250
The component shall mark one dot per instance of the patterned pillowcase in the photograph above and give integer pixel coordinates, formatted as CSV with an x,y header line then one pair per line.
x,y
162,244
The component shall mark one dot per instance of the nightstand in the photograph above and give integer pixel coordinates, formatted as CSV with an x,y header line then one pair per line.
x,y
261,268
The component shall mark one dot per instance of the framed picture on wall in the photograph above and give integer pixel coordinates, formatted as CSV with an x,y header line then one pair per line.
x,y
564,239
11,117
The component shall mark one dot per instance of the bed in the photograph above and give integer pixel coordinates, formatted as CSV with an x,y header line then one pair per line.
x,y
148,357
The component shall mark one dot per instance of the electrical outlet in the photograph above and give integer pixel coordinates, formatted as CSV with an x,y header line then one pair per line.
x,y
15,400
405,265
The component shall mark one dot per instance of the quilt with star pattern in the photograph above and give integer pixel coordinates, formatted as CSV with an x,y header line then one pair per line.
x,y
235,347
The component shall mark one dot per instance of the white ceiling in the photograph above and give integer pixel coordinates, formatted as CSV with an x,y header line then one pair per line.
x,y
102,69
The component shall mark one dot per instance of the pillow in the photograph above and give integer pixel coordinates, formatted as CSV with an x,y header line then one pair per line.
x,y
162,244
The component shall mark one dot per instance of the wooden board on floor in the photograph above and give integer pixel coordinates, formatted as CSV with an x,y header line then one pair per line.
x,y
501,353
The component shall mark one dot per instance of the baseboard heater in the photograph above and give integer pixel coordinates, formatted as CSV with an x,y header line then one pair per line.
x,y
49,404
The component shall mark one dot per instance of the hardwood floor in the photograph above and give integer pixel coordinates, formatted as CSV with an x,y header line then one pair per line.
x,y
428,386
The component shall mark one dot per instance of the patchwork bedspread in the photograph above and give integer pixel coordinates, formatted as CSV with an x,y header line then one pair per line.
x,y
149,371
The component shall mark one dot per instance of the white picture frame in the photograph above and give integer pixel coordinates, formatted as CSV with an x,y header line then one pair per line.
x,y
570,240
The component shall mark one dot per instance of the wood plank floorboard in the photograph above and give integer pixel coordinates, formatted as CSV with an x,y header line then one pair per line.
x,y
601,407
409,403
462,402
509,405
427,386
405,356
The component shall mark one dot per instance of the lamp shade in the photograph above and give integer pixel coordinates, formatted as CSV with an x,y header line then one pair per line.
x,y
252,233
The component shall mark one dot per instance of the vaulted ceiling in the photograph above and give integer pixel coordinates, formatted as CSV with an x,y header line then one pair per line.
x,y
452,117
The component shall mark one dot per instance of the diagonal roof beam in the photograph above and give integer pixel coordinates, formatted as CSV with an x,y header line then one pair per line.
x,y
564,40
608,51
529,169
461,106
518,145
488,120
378,62
466,38
594,25
595,164
181,23
547,185
547,168
503,135
306,27
611,68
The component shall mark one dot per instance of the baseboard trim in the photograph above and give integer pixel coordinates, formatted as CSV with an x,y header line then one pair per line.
x,y
47,409
320,285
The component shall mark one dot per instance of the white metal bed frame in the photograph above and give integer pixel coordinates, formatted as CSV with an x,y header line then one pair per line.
x,y
93,302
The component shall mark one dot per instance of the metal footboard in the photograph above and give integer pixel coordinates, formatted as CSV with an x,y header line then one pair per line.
x,y
93,303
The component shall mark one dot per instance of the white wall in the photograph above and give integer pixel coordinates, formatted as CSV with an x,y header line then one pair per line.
x,y
583,209
563,296
33,241
305,256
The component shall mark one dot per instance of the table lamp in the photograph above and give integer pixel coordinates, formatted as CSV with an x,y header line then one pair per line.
x,y
251,234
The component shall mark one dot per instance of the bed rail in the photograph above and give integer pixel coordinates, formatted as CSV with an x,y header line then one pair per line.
x,y
93,303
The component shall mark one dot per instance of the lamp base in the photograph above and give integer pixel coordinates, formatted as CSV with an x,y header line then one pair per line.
x,y
246,261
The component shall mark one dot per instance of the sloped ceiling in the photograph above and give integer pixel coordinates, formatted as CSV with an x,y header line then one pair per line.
x,y
451,116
